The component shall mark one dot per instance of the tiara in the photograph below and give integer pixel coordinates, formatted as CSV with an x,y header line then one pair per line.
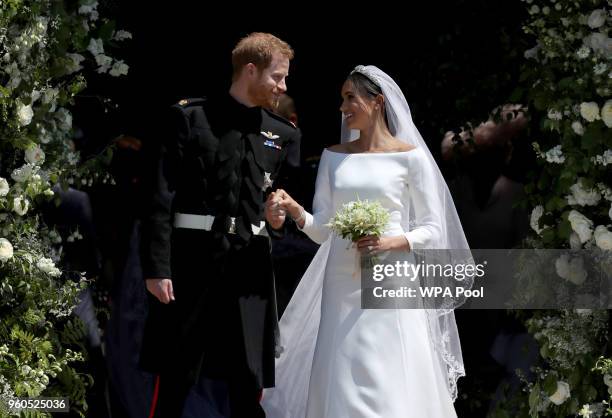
x,y
362,69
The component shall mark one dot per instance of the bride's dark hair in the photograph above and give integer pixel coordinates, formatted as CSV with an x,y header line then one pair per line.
x,y
367,87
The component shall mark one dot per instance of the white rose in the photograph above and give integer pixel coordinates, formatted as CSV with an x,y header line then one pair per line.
x,y
603,238
571,269
24,113
597,18
574,241
34,155
606,113
119,68
536,214
608,380
4,187
96,46
589,111
21,205
581,225
47,266
578,128
6,250
562,393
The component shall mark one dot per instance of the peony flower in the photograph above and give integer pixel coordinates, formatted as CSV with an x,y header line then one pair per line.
x,y
571,269
561,394
581,225
603,238
597,18
583,197
589,111
47,266
6,250
578,128
606,113
21,205
119,68
34,155
4,187
24,113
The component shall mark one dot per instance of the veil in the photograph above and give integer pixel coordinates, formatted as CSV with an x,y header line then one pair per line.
x,y
300,321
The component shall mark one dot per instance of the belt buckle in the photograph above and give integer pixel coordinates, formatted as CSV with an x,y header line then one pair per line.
x,y
232,227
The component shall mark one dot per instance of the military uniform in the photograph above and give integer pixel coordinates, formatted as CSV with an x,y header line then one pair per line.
x,y
207,231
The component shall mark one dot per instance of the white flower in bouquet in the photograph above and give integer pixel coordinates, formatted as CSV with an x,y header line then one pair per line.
x,y
589,111
536,214
47,266
119,68
359,218
96,46
608,380
600,68
610,212
24,114
571,269
21,205
49,96
581,225
597,18
603,238
561,394
34,155
604,159
578,128
581,196
4,187
90,8
606,113
6,250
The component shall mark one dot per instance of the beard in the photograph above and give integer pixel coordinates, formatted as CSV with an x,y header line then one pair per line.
x,y
264,97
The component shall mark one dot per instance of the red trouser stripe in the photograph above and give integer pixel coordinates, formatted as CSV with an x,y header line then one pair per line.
x,y
155,395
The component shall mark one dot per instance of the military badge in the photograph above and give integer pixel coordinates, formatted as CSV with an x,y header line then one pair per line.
x,y
267,181
269,135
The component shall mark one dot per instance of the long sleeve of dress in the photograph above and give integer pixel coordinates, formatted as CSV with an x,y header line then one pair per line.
x,y
314,225
426,206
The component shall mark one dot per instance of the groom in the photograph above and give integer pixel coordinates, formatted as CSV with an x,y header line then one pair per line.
x,y
206,246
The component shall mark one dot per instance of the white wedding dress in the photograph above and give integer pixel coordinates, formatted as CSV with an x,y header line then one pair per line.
x,y
367,363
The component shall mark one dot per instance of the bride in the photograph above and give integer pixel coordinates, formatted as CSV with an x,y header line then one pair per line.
x,y
336,359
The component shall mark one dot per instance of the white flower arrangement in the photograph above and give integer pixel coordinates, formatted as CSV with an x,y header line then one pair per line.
x,y
359,218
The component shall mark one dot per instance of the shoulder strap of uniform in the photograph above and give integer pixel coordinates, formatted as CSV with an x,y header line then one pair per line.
x,y
280,118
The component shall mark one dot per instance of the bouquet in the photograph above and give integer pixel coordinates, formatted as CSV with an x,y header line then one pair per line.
x,y
358,219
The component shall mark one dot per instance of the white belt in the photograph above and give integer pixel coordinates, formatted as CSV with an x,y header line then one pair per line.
x,y
205,222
